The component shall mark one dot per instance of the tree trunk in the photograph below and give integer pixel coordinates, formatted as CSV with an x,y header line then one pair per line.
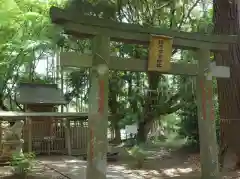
x,y
226,21
143,130
117,135
145,125
117,132
141,134
113,105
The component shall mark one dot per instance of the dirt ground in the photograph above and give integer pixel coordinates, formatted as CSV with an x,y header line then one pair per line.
x,y
161,163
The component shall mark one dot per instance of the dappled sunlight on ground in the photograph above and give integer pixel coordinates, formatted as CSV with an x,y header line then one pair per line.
x,y
172,172
159,164
153,169
143,173
5,171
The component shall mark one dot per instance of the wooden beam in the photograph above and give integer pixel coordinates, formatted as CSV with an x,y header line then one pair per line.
x,y
88,31
206,120
60,16
77,60
12,114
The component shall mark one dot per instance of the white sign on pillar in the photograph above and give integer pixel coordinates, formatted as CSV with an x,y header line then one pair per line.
x,y
102,69
217,71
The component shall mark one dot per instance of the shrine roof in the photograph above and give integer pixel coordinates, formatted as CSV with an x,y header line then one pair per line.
x,y
35,93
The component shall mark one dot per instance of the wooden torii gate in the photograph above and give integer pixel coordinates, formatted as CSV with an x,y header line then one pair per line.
x,y
102,31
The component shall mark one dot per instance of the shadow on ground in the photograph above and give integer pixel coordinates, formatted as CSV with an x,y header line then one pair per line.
x,y
161,163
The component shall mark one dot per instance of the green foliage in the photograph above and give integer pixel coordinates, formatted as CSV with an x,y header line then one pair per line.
x,y
104,8
170,123
27,36
189,123
189,120
22,164
138,154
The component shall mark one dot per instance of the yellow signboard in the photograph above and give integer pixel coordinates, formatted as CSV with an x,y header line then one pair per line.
x,y
160,52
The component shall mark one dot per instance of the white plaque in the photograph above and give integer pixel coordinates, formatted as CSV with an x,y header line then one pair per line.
x,y
218,71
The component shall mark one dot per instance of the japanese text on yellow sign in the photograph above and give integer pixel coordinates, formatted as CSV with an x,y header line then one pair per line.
x,y
160,52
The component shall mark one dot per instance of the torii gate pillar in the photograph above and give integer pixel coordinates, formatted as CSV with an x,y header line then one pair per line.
x,y
98,109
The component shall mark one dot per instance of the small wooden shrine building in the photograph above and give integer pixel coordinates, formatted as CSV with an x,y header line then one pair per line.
x,y
42,135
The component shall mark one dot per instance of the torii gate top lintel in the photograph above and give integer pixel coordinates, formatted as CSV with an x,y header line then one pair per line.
x,y
87,26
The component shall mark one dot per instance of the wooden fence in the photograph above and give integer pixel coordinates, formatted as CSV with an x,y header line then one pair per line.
x,y
50,137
